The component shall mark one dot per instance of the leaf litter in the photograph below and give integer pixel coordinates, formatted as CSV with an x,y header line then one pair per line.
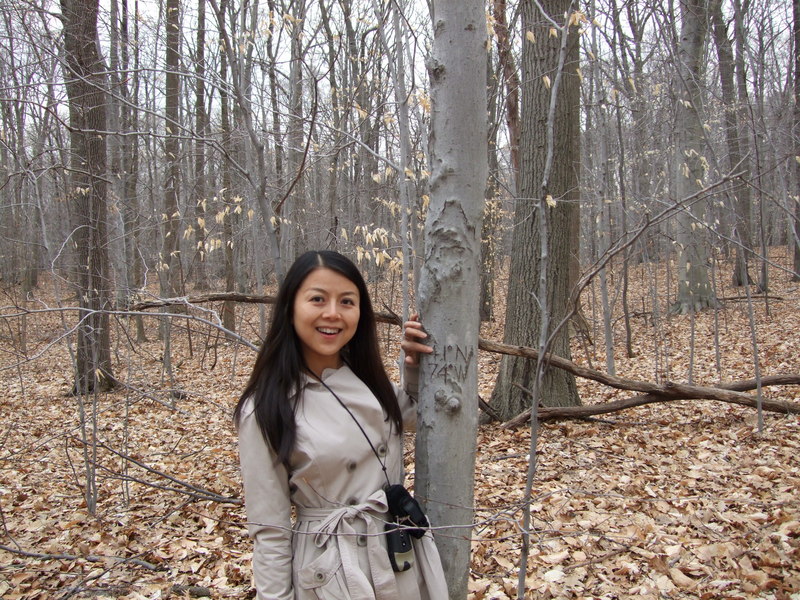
x,y
678,500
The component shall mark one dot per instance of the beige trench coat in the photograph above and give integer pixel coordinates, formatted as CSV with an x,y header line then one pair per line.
x,y
334,547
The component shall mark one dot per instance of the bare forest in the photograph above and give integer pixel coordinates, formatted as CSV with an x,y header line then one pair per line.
x,y
608,264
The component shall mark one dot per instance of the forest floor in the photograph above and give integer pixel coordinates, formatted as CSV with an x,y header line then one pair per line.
x,y
677,500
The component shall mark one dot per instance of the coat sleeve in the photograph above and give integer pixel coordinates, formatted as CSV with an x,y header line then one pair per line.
x,y
266,494
407,396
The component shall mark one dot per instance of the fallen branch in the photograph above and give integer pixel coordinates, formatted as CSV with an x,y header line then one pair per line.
x,y
89,557
195,591
193,491
203,298
670,393
730,390
650,392
562,363
752,297
382,317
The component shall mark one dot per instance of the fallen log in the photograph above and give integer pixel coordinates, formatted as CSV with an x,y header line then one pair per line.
x,y
671,393
202,299
620,383
650,393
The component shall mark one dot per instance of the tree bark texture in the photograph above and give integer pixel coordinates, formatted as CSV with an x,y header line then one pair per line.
x,y
85,82
523,318
510,76
728,393
228,308
796,239
450,278
691,166
490,232
741,193
201,127
170,271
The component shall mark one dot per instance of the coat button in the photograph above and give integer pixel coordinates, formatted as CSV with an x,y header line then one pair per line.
x,y
351,466
382,450
319,576
361,540
352,501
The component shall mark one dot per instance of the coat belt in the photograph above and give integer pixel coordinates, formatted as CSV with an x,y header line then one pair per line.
x,y
337,522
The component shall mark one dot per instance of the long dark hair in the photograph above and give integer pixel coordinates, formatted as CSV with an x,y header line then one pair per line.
x,y
279,366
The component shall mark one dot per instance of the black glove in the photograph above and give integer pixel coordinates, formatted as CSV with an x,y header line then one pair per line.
x,y
406,509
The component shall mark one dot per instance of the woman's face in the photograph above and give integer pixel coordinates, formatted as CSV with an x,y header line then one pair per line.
x,y
326,314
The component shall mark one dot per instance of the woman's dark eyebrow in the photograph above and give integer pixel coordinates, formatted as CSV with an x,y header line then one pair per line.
x,y
324,291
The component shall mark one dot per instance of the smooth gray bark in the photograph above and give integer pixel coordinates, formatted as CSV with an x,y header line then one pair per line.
x,y
450,280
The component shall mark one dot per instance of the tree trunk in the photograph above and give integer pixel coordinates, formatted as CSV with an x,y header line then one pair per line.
x,y
489,230
170,272
85,81
115,145
228,308
294,244
511,83
523,318
338,108
741,199
201,130
795,241
694,287
130,162
448,409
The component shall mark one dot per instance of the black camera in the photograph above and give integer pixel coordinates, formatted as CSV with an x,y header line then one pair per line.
x,y
406,510
398,544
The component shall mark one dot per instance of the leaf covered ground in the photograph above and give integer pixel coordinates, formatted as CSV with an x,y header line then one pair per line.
x,y
679,500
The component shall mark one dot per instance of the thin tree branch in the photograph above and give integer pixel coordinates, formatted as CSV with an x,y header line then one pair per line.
x,y
88,557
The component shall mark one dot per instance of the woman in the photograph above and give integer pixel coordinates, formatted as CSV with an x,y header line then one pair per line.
x,y
320,430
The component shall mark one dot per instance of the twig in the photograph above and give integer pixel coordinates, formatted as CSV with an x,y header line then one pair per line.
x,y
89,557
593,561
195,591
195,491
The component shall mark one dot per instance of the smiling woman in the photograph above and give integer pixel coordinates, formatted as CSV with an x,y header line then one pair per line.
x,y
320,430
326,314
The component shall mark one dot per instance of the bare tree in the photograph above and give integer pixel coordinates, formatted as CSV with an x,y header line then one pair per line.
x,y
201,131
741,194
85,80
448,419
796,130
691,162
170,267
226,123
560,191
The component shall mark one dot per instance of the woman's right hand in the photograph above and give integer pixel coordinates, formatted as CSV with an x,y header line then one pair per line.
x,y
412,344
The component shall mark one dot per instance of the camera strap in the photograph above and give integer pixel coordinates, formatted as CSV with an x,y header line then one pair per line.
x,y
398,542
352,416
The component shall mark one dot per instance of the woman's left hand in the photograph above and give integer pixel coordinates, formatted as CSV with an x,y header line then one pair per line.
x,y
412,344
